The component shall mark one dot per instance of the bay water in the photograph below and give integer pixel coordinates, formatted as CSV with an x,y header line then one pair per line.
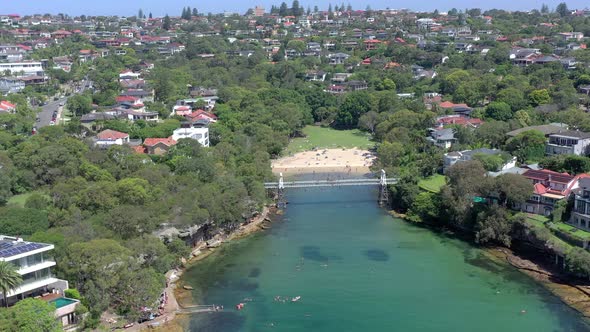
x,y
355,268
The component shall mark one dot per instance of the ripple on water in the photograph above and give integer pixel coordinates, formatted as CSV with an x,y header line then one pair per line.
x,y
245,285
377,255
219,321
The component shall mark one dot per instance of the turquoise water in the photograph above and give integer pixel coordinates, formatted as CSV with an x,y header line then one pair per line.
x,y
358,269
62,302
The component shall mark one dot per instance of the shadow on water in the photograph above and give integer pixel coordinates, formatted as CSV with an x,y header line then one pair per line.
x,y
254,272
313,253
338,201
377,255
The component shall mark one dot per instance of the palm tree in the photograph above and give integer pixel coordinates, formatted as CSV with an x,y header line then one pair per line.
x,y
9,279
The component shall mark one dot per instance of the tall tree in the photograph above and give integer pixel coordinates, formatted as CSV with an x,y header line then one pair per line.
x,y
283,10
30,315
296,9
544,9
9,279
151,16
562,10
140,13
195,12
166,24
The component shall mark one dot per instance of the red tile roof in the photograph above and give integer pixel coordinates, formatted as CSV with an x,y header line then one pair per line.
x,y
448,104
111,135
200,114
153,141
6,105
547,175
122,99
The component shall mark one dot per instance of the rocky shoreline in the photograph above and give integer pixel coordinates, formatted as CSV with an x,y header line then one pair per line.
x,y
181,295
562,286
574,295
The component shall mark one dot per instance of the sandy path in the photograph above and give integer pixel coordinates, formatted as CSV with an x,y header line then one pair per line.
x,y
325,160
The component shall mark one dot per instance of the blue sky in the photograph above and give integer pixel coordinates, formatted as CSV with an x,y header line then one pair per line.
x,y
174,7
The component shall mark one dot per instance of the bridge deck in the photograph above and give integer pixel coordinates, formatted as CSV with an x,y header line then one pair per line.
x,y
328,183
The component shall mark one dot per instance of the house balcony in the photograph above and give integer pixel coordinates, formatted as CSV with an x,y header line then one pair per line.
x,y
553,149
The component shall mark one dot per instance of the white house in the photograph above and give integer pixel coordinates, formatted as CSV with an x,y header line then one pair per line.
x,y
199,134
26,68
110,137
33,262
454,157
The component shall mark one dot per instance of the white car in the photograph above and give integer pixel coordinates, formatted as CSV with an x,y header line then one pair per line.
x,y
52,123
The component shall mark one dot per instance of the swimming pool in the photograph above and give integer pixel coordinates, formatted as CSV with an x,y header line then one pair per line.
x,y
62,302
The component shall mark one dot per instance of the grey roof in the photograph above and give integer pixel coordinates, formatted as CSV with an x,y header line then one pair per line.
x,y
482,151
572,133
96,116
545,129
443,134
511,170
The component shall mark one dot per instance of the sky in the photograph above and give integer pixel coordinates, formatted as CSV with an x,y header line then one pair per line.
x,y
174,7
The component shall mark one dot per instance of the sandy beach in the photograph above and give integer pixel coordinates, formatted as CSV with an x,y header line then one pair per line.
x,y
325,161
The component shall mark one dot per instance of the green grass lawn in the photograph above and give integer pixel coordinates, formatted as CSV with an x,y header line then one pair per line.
x,y
433,183
325,138
19,200
571,230
537,219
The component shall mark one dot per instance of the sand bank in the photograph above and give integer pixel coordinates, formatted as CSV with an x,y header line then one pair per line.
x,y
325,161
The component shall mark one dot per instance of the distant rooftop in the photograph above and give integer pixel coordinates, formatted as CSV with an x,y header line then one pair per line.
x,y
12,246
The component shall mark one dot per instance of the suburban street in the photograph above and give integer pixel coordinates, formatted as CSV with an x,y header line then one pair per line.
x,y
47,110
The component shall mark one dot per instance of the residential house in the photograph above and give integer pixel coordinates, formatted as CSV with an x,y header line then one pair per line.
x,y
7,107
568,142
11,85
340,77
356,85
128,75
548,188
33,262
315,75
202,116
200,134
462,109
419,72
336,89
580,217
454,157
158,146
524,56
565,36
442,137
547,129
458,119
109,137
24,68
338,58
371,44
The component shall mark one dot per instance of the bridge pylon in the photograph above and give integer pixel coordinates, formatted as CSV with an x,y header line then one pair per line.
x,y
281,202
383,191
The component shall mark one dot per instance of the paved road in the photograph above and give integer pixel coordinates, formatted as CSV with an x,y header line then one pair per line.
x,y
47,110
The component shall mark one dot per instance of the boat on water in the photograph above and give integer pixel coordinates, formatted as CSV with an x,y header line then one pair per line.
x,y
296,298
